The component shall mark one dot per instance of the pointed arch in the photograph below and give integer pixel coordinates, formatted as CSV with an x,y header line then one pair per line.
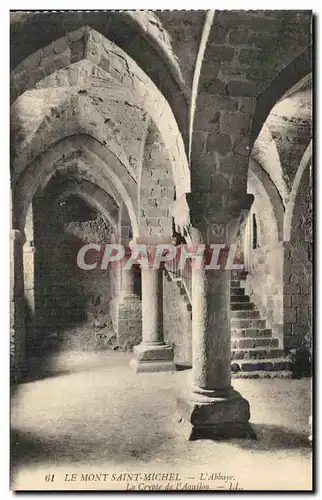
x,y
272,193
77,151
139,33
265,153
300,67
113,68
305,162
92,194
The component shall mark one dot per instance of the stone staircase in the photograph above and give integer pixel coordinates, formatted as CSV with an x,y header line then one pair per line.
x,y
255,353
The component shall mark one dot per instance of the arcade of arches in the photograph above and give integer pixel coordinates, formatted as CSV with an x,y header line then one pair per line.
x,y
155,126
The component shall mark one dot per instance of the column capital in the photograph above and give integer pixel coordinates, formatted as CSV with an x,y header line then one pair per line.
x,y
222,225
29,247
18,236
181,214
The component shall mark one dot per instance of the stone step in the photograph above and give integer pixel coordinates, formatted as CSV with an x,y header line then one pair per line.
x,y
247,323
237,306
172,277
258,353
239,298
278,374
238,333
239,274
250,343
244,314
235,284
269,364
237,291
186,298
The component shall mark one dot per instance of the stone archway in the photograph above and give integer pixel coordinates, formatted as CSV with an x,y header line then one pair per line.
x,y
80,122
111,66
140,34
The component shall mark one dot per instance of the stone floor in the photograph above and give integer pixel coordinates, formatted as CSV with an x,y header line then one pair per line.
x,y
91,415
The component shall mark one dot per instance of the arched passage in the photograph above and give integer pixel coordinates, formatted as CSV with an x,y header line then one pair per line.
x,y
93,195
275,272
72,302
139,34
264,261
273,206
115,72
294,72
57,157
83,98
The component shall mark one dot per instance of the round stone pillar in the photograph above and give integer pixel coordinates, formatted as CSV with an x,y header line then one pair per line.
x,y
153,354
210,406
152,306
128,283
29,279
211,349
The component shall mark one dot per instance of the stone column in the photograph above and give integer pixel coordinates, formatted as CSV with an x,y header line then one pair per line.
x,y
17,306
29,251
29,279
211,338
248,244
153,354
128,283
210,406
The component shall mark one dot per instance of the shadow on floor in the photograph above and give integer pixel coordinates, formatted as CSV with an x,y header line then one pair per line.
x,y
28,448
273,438
53,365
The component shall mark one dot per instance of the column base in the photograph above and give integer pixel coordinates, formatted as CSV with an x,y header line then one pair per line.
x,y
152,358
128,297
219,417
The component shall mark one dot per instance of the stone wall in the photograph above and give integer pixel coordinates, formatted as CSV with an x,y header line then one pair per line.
x,y
245,51
265,285
280,279
156,189
298,269
297,296
67,295
176,322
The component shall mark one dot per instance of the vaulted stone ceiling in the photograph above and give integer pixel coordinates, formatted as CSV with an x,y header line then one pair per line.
x,y
83,96
290,123
80,85
286,135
